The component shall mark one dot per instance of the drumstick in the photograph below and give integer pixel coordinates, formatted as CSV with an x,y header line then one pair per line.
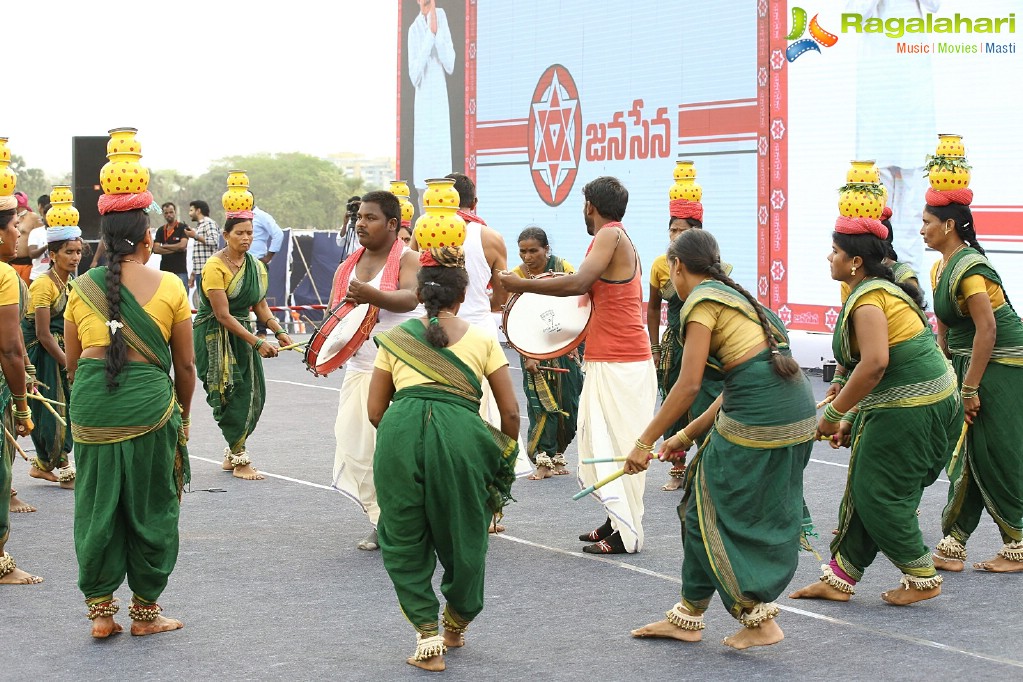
x,y
825,401
548,368
294,346
14,442
599,484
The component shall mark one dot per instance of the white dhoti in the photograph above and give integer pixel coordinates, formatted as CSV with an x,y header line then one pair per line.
x,y
616,403
356,441
490,412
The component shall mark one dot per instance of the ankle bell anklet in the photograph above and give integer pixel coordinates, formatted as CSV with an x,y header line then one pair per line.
x,y
428,647
759,614
106,607
237,460
145,613
681,618
6,564
1013,551
952,548
544,460
828,577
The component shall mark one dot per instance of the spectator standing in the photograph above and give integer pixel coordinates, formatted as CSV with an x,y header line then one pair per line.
x,y
171,244
206,235
267,238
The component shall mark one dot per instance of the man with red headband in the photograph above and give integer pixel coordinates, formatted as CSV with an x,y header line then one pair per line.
x,y
618,362
381,273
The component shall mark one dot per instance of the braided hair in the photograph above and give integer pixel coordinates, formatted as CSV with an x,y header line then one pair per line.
x,y
873,251
122,232
698,251
440,287
962,217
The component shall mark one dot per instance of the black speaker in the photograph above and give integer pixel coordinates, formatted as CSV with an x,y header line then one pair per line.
x,y
88,154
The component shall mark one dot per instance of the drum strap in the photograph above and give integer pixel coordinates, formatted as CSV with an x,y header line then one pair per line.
x,y
388,282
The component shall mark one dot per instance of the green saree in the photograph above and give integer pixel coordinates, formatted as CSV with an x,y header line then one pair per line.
x,y
230,369
441,474
131,458
743,513
989,473
52,441
552,398
8,422
903,272
914,415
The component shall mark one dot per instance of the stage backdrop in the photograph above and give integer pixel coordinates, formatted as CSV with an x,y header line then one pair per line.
x,y
556,94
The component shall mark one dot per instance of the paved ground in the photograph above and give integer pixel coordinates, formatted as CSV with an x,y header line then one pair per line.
x,y
270,585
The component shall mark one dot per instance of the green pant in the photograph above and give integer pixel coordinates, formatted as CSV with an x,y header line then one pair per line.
x,y
432,489
126,514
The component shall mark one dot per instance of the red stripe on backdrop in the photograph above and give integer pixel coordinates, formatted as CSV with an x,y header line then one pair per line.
x,y
779,154
512,135
763,135
724,121
397,115
998,221
471,143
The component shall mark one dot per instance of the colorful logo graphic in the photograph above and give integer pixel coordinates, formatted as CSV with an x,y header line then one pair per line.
x,y
803,45
555,135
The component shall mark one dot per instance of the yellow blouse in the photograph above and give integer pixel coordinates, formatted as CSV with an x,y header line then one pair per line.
x,y
168,306
732,334
216,274
903,322
659,275
477,349
10,289
520,269
971,285
43,292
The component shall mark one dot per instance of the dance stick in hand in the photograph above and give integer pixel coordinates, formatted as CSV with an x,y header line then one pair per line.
x,y
548,368
598,485
825,401
14,442
603,460
295,347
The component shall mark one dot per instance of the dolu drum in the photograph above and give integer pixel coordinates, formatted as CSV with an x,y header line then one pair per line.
x,y
340,336
544,327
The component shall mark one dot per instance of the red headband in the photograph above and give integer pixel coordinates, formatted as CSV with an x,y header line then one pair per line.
x,y
944,197
243,215
861,226
116,203
886,214
407,223
680,208
427,260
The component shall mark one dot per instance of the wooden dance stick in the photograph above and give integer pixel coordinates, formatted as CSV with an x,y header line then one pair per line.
x,y
295,347
44,399
56,416
825,401
548,368
603,460
14,442
598,485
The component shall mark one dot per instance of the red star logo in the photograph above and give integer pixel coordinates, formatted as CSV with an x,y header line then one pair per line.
x,y
762,145
777,200
777,271
785,314
777,60
762,77
762,215
831,318
762,285
777,129
762,8
555,135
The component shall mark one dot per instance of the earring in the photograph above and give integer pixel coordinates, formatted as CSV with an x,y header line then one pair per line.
x,y
853,273
1,242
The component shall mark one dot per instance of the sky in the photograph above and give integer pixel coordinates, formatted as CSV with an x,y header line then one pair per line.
x,y
202,80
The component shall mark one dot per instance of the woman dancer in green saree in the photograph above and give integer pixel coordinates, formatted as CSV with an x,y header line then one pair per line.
x,y
228,354
982,333
16,419
129,420
552,398
43,329
900,401
442,473
742,513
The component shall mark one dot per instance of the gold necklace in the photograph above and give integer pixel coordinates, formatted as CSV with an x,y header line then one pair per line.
x,y
445,312
237,265
131,260
944,261
63,282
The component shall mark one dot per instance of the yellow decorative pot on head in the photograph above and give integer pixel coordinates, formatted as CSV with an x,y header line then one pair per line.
x,y
950,145
861,200
123,174
8,179
440,225
62,212
399,188
237,197
122,141
863,171
949,177
685,185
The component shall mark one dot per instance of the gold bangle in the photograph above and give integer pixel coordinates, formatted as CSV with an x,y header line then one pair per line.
x,y
643,446
684,438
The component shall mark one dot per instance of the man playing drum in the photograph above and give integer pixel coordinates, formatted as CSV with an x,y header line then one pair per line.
x,y
618,361
382,273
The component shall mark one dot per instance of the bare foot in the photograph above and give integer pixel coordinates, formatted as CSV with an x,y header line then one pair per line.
x,y
495,527
903,597
765,634
247,473
433,664
672,484
20,577
997,565
818,590
453,640
227,466
662,629
19,506
44,475
141,628
944,563
104,626
541,473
